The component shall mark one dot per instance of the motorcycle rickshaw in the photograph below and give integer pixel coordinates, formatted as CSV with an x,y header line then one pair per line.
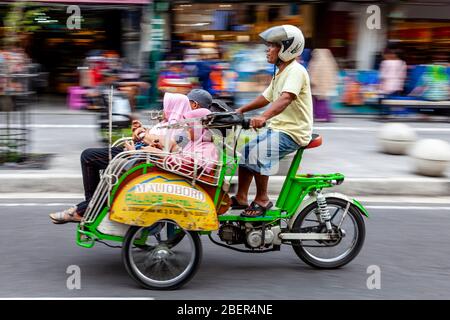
x,y
158,210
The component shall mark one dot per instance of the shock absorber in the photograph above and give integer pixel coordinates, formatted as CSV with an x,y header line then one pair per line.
x,y
324,213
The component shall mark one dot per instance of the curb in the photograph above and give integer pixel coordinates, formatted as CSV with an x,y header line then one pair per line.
x,y
395,186
41,182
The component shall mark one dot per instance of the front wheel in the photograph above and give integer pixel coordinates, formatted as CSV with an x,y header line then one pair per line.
x,y
157,262
330,254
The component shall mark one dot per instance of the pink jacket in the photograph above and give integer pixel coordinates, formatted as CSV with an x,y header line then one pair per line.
x,y
202,146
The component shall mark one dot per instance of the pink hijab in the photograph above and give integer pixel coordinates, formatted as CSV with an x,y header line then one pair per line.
x,y
175,106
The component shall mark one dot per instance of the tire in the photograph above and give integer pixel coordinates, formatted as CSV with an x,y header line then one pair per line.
x,y
150,277
339,261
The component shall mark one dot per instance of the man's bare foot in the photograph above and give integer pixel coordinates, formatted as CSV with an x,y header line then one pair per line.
x,y
237,203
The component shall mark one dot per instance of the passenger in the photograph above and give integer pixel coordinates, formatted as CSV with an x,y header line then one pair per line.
x,y
199,98
175,106
201,143
95,159
200,146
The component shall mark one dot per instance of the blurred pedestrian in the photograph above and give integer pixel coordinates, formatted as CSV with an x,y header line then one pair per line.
x,y
323,72
392,77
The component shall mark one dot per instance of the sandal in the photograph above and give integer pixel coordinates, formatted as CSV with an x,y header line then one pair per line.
x,y
236,205
68,215
255,210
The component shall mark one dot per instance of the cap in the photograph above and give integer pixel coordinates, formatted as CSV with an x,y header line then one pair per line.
x,y
202,97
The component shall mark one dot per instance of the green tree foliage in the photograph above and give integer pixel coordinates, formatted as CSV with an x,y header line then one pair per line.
x,y
21,20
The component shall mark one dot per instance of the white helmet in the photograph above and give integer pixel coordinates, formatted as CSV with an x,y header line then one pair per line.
x,y
289,37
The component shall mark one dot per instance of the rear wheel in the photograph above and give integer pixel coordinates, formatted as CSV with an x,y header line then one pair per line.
x,y
165,261
330,254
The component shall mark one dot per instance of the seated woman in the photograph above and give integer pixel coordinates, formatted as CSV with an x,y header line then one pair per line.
x,y
175,106
95,159
200,149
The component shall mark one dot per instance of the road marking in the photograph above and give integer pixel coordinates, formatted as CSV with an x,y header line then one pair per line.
x,y
63,204
55,126
407,208
56,204
403,199
280,179
81,298
43,195
362,199
33,176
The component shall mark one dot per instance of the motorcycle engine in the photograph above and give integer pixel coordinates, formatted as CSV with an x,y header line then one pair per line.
x,y
231,234
254,238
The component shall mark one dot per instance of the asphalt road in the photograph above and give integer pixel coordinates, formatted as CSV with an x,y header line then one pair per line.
x,y
409,243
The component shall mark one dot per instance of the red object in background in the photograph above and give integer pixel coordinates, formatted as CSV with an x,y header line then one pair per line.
x,y
441,33
92,1
415,33
217,80
97,75
421,32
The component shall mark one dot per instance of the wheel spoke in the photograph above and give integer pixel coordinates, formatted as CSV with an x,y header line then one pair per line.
x,y
335,213
174,266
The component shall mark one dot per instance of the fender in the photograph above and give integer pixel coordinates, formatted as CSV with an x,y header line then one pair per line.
x,y
156,196
309,199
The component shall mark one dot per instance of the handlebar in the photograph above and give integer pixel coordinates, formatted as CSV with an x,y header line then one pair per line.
x,y
219,120
245,124
226,119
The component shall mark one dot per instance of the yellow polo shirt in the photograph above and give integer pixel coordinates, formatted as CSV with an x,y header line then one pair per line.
x,y
297,119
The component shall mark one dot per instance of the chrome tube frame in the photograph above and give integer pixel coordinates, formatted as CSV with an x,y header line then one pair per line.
x,y
171,162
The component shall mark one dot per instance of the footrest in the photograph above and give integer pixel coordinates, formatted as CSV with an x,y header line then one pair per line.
x,y
235,215
333,178
85,239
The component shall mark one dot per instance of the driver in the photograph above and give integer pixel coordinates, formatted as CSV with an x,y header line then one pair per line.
x,y
289,118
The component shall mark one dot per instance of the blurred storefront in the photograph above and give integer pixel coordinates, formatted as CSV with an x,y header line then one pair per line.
x,y
204,25
111,25
215,45
418,30
422,33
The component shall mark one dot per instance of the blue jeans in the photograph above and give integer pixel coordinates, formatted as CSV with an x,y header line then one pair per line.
x,y
263,154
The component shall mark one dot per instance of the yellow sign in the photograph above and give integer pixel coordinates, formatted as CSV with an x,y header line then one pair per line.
x,y
159,195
